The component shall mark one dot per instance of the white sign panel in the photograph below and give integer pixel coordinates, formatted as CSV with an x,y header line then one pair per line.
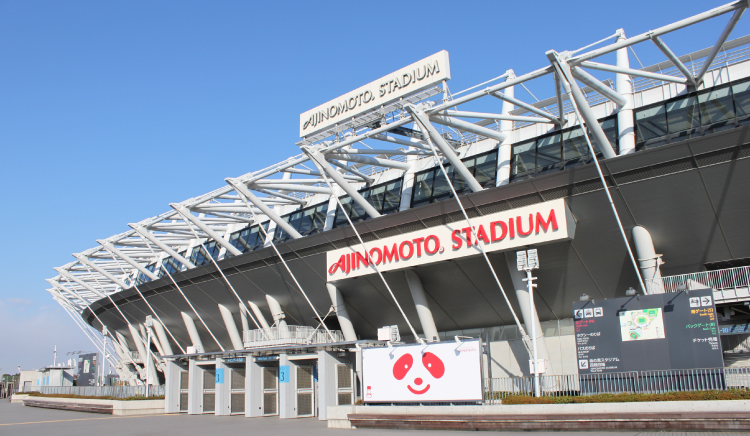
x,y
531,225
445,371
416,77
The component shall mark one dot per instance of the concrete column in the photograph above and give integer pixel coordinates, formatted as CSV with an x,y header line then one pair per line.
x,y
648,260
624,87
505,148
343,315
223,389
245,323
195,388
259,316
326,383
192,331
163,339
287,387
172,387
234,335
278,316
522,293
253,388
423,308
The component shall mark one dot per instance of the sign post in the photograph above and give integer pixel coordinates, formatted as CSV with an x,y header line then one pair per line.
x,y
149,322
526,261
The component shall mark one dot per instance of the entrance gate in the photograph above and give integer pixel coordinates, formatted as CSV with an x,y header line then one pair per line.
x,y
270,391
238,391
209,391
184,383
305,391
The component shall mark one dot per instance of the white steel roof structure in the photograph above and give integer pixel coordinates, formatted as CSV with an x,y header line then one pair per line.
x,y
385,143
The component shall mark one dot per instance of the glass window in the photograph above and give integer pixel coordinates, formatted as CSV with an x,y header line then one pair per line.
x,y
741,93
650,123
716,106
459,184
440,187
682,115
170,264
376,197
392,197
422,187
199,256
485,169
279,234
549,151
574,145
346,203
524,157
610,130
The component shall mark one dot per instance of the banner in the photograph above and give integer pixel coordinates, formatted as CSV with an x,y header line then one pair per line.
x,y
443,371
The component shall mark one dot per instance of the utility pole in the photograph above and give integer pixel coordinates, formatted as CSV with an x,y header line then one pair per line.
x,y
527,261
149,323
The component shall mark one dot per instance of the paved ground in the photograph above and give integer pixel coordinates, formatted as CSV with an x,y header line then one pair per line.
x,y
16,419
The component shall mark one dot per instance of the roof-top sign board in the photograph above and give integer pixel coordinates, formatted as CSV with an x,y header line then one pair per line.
x,y
530,225
416,77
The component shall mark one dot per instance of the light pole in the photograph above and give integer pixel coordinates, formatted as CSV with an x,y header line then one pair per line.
x,y
149,323
526,261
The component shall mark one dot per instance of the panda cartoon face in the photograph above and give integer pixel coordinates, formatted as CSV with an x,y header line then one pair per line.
x,y
431,368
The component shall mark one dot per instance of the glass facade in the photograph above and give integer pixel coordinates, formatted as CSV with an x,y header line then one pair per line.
x,y
430,185
143,278
199,256
171,264
698,113
385,198
557,150
247,239
307,221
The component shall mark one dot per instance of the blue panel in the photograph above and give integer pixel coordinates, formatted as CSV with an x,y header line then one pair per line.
x,y
283,373
219,376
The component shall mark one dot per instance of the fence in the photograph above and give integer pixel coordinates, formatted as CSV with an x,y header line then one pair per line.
x,y
730,284
98,391
643,382
290,335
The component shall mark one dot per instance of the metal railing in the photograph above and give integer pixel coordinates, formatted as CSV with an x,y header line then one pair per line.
x,y
98,391
289,335
643,382
730,284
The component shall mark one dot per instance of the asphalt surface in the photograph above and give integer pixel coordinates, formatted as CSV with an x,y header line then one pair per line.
x,y
16,419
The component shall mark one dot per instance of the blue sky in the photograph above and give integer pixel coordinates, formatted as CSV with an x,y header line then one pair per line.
x,y
111,110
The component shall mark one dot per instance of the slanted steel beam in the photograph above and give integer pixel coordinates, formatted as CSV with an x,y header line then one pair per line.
x,y
319,160
185,213
365,178
270,213
112,249
722,39
489,116
632,72
444,148
70,276
599,87
675,60
71,292
369,160
469,127
144,233
528,107
83,259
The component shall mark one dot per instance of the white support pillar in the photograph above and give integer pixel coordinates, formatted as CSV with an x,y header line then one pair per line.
x,y
192,331
243,319
195,388
163,339
505,148
234,335
407,189
223,405
327,391
141,230
276,311
648,261
154,338
423,307
324,166
624,87
287,387
259,316
529,317
444,147
172,387
343,315
115,251
185,213
242,189
253,388
331,211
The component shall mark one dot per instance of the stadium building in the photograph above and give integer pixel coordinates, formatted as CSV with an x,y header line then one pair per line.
x,y
401,218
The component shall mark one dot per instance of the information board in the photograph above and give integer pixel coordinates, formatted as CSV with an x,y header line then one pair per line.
x,y
652,332
87,369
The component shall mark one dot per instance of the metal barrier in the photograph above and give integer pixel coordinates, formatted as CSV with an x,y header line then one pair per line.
x,y
643,382
289,335
730,284
98,391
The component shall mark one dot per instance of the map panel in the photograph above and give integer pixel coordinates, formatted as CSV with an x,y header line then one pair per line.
x,y
641,325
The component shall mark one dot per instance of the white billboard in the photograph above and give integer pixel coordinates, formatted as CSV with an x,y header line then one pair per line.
x,y
408,80
530,225
444,371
